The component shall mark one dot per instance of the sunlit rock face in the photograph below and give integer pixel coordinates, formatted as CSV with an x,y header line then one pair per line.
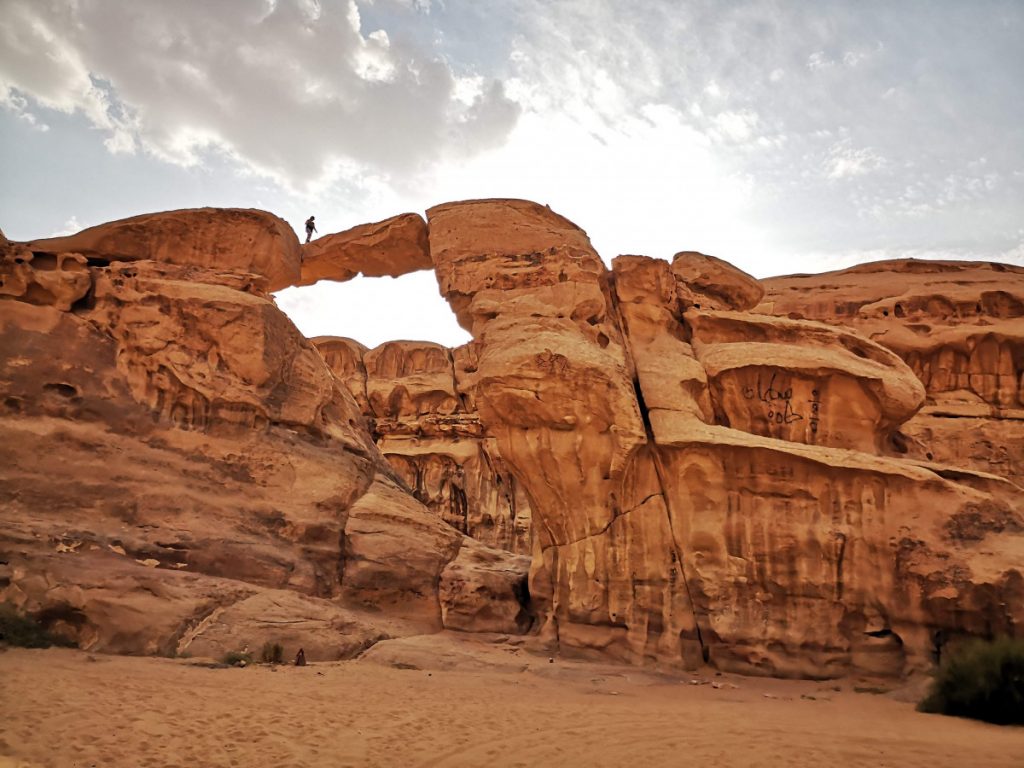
x,y
432,437
182,471
228,239
795,477
710,482
959,326
392,247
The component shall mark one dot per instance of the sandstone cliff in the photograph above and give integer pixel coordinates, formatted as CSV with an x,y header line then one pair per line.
x,y
702,466
183,473
704,481
432,437
960,328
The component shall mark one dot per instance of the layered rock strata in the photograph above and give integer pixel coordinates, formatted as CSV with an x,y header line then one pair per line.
x,y
959,326
183,473
432,437
705,481
226,239
700,470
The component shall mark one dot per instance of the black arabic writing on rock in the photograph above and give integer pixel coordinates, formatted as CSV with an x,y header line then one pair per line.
x,y
779,402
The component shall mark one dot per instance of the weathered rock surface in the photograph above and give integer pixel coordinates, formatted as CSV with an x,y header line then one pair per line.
x,y
960,328
392,247
694,474
710,283
227,239
183,472
432,437
673,517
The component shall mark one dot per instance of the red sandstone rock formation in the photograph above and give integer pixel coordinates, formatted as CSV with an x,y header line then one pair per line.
x,y
960,328
694,484
432,437
697,480
225,239
182,471
391,247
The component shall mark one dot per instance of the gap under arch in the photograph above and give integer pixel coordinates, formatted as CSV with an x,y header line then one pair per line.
x,y
373,310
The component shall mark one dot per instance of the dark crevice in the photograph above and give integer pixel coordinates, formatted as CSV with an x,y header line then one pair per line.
x,y
840,556
645,415
659,470
525,618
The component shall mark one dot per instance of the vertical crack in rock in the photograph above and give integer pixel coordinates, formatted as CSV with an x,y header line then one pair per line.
x,y
659,468
840,555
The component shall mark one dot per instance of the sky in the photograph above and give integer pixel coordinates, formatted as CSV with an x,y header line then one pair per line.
x,y
784,137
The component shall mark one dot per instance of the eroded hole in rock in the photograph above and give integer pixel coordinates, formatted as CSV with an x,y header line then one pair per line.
x,y
46,262
525,618
64,390
886,632
899,442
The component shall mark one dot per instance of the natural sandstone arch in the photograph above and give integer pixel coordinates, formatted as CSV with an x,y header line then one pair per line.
x,y
674,517
393,247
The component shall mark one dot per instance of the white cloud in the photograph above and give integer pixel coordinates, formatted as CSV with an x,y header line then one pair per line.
x,y
768,134
735,126
71,226
845,161
373,310
285,88
818,61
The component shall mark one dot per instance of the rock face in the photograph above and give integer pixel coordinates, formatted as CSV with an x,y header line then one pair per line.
x,y
432,437
230,240
183,473
393,247
796,477
704,482
959,326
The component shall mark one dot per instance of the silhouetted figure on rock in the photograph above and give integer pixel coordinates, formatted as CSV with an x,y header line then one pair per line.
x,y
300,658
310,228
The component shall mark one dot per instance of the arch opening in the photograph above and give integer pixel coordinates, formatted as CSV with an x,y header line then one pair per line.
x,y
374,310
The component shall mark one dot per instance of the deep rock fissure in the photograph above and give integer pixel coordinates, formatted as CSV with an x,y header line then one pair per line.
x,y
659,469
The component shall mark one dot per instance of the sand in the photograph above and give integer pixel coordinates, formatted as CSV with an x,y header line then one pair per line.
x,y
448,702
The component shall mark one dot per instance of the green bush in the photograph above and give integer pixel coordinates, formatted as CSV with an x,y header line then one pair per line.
x,y
981,680
236,659
25,632
272,653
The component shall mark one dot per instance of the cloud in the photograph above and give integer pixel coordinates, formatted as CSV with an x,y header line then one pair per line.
x,y
287,88
767,133
845,161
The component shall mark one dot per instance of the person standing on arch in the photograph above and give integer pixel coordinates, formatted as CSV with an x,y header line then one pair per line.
x,y
310,228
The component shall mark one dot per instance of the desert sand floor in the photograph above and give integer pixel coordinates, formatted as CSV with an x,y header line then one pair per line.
x,y
443,702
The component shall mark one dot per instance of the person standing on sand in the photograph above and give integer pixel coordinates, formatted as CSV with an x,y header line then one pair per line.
x,y
310,228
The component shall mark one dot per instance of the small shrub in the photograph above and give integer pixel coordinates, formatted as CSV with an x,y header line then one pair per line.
x,y
21,631
981,680
236,659
272,653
